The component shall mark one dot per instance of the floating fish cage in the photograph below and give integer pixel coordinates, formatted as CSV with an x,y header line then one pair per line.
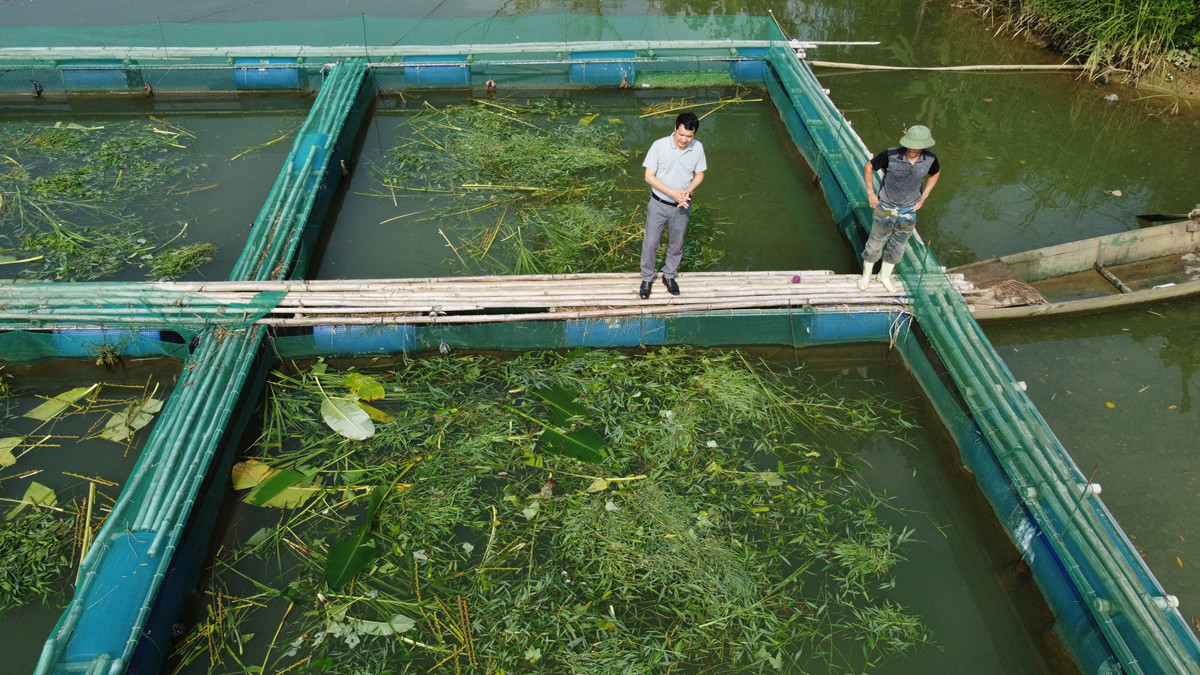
x,y
1109,612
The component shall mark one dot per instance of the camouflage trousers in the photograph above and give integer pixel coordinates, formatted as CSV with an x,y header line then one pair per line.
x,y
891,226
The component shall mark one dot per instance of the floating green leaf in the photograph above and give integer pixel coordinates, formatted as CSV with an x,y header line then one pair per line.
x,y
250,473
262,535
365,386
395,625
584,444
349,556
346,418
563,405
122,425
6,448
35,495
375,413
287,488
55,406
770,478
597,485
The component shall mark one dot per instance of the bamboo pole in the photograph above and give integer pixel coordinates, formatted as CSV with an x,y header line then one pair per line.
x,y
976,68
427,301
880,306
87,527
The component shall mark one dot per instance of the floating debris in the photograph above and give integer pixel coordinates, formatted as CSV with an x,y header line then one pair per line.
x,y
512,505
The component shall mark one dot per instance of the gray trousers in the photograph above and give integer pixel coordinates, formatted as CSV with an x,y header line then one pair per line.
x,y
659,214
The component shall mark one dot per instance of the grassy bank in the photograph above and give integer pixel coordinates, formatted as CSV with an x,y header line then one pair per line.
x,y
1141,36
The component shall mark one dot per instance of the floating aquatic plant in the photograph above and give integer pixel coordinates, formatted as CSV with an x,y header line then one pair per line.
x,y
706,518
527,189
66,193
41,539
35,554
173,263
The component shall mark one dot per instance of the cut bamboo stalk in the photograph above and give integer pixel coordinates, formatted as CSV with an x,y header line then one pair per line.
x,y
87,527
879,306
1011,67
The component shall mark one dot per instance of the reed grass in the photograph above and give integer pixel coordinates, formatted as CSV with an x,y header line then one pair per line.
x,y
173,263
1137,35
68,195
527,189
724,530
35,556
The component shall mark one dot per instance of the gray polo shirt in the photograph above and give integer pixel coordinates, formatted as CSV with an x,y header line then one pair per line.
x,y
901,179
675,167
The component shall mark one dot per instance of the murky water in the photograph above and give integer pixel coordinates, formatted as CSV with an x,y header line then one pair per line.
x,y
1030,159
761,195
68,460
232,147
986,614
1121,392
1034,159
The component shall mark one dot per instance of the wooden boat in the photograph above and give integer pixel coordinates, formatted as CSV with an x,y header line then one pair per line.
x,y
1090,275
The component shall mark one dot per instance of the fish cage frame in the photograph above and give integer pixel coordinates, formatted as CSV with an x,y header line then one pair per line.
x,y
1111,612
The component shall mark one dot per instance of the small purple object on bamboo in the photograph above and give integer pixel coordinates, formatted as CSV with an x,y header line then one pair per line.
x,y
795,278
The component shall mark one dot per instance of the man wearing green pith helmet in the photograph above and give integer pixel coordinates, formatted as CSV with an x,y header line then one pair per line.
x,y
900,197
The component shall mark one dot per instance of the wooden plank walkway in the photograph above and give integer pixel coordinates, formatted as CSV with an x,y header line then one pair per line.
x,y
441,300
556,297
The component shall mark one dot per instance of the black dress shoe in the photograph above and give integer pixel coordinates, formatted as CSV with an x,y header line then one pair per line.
x,y
645,289
672,287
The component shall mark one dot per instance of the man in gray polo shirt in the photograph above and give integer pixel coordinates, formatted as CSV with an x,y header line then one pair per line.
x,y
675,166
900,196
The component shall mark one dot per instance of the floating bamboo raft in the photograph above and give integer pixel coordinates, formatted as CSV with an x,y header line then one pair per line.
x,y
446,300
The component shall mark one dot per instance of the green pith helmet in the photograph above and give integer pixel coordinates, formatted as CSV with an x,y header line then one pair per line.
x,y
917,138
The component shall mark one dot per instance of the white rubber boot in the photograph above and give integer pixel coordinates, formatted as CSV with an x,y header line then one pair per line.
x,y
866,276
885,276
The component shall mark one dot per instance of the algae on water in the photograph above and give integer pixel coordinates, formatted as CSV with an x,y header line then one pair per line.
x,y
718,524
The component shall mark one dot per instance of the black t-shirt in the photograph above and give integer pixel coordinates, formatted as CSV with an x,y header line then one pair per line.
x,y
901,178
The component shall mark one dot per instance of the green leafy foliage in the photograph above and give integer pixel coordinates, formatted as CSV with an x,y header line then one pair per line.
x,y
349,556
722,529
529,189
67,195
173,263
347,418
35,548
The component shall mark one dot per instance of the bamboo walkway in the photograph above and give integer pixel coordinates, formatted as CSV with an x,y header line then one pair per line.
x,y
445,300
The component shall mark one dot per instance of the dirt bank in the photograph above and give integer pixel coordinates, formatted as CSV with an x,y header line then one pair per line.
x,y
1178,91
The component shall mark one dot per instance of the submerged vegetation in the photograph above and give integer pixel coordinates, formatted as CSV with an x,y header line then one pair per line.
x,y
66,193
42,536
589,512
527,189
